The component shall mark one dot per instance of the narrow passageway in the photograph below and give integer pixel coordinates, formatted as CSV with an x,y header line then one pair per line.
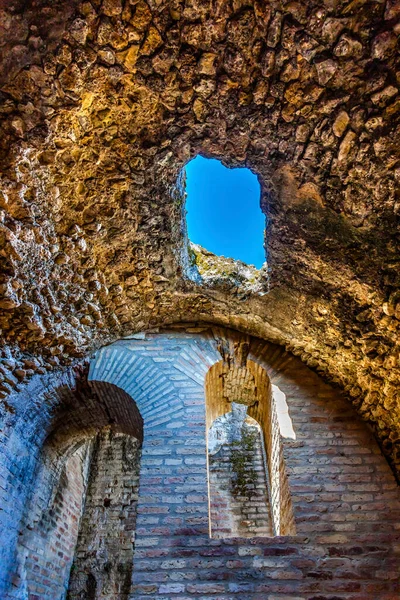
x,y
237,470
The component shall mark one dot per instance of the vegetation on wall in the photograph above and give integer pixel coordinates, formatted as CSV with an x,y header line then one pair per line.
x,y
244,475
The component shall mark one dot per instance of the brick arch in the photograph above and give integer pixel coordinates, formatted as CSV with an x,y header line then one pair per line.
x,y
104,404
343,493
329,464
75,425
62,475
250,384
154,371
87,427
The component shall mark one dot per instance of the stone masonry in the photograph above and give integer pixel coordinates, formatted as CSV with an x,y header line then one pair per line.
x,y
345,499
117,333
238,484
103,102
103,563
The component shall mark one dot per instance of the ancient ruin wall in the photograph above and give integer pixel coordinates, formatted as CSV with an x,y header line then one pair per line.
x,y
103,559
238,478
102,104
345,500
238,379
49,531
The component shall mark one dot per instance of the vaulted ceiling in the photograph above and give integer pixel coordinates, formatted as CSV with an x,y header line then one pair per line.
x,y
103,103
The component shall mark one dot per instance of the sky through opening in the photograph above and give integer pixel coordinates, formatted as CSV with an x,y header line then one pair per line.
x,y
223,210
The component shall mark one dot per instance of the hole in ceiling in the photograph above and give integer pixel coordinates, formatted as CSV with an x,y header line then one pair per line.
x,y
223,210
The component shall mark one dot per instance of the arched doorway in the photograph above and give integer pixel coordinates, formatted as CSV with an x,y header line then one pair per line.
x,y
78,531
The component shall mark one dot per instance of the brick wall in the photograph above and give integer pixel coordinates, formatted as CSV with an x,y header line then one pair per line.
x,y
280,496
50,533
344,496
103,562
219,385
24,424
338,478
46,423
174,556
237,471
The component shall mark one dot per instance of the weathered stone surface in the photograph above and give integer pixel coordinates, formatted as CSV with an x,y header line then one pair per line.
x,y
103,103
340,124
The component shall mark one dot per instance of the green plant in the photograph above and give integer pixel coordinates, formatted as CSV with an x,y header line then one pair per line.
x,y
192,256
245,475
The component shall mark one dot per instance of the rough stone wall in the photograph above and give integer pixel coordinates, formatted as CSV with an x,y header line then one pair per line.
x,y
237,475
102,103
50,532
103,563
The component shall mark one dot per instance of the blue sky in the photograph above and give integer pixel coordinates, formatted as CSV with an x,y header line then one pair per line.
x,y
223,210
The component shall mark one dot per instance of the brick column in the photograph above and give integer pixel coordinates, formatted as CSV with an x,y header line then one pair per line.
x,y
167,384
173,497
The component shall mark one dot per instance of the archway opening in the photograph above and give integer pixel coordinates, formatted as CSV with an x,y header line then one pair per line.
x,y
223,211
245,426
77,538
238,477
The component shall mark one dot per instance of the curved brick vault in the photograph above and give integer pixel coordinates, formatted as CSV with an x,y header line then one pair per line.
x,y
344,496
102,104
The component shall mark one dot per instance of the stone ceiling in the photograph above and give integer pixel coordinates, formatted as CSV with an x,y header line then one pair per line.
x,y
103,103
